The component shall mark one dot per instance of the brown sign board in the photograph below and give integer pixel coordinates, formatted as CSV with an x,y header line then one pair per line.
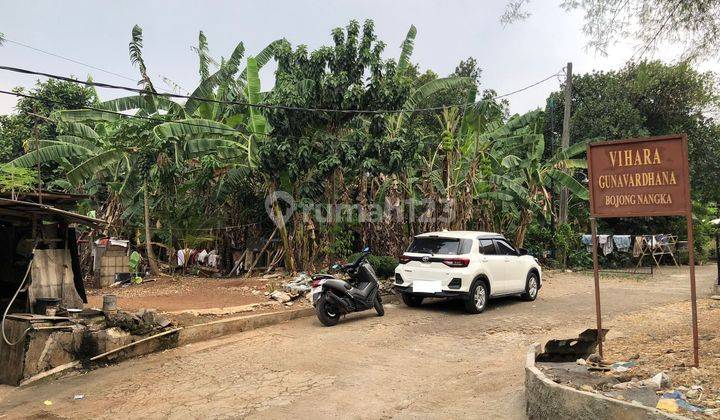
x,y
639,177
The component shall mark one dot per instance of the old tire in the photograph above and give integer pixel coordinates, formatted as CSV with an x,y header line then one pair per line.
x,y
379,306
412,301
326,312
532,286
477,300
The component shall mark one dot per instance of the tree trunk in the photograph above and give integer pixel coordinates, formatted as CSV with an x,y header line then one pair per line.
x,y
280,221
152,260
525,219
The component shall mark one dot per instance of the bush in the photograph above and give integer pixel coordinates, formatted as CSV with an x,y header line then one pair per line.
x,y
384,265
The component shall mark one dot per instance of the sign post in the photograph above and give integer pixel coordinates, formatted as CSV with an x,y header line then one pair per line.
x,y
637,178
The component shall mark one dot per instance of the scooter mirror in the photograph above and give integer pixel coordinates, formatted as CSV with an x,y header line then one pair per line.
x,y
366,249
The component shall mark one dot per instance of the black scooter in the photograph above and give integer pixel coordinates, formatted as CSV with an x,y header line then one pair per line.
x,y
333,297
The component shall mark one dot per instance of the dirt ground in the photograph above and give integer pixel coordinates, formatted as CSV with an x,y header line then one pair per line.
x,y
172,294
429,362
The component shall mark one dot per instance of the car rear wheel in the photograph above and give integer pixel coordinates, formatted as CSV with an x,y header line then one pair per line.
x,y
477,300
412,301
532,285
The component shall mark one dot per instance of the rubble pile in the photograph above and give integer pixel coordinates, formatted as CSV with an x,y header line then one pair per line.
x,y
621,380
296,288
141,322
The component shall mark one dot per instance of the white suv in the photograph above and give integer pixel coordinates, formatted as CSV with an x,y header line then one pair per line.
x,y
472,266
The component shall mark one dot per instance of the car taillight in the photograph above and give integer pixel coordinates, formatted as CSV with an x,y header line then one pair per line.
x,y
456,262
404,259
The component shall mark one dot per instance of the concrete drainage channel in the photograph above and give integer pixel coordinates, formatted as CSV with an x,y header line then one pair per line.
x,y
549,400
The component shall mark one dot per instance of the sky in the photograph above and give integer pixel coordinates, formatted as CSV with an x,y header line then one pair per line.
x,y
97,33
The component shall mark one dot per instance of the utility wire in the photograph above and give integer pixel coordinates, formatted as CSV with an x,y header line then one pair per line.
x,y
186,123
90,66
262,106
90,108
158,120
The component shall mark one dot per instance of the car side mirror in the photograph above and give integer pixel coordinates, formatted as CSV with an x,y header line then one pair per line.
x,y
522,251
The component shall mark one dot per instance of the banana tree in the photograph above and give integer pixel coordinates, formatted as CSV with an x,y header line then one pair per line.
x,y
517,155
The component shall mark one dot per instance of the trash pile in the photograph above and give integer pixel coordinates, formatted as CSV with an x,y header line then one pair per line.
x,y
670,399
296,288
574,362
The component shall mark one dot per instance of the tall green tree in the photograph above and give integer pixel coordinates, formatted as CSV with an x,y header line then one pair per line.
x,y
647,99
18,128
694,24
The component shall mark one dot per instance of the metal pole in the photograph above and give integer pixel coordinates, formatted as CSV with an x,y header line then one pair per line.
x,y
596,275
717,255
693,294
37,156
565,142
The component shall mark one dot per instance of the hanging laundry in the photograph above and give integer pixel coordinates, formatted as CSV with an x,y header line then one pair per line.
x,y
202,256
212,258
622,242
587,241
638,247
186,256
193,257
606,243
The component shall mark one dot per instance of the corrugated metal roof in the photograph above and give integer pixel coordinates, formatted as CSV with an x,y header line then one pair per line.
x,y
14,209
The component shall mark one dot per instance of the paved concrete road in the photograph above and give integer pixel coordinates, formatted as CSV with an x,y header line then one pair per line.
x,y
430,362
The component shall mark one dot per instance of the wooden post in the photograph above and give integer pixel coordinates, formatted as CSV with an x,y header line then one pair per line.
x,y
693,293
596,275
565,142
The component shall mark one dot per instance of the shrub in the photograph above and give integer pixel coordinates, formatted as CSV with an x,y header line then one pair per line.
x,y
384,265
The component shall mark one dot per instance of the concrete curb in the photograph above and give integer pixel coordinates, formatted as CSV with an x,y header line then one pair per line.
x,y
215,329
549,400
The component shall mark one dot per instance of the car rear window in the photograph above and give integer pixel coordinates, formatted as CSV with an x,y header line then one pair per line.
x,y
447,246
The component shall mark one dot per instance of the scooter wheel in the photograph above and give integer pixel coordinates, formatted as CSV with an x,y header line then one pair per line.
x,y
326,312
379,306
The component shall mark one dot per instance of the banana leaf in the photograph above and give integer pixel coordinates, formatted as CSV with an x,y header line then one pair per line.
x,y
50,153
570,183
81,115
81,130
90,167
407,50
193,127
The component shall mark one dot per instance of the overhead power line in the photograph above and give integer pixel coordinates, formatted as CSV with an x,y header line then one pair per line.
x,y
62,57
90,108
153,119
261,106
90,66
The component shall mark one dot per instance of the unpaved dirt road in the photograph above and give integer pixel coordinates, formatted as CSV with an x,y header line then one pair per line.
x,y
430,362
